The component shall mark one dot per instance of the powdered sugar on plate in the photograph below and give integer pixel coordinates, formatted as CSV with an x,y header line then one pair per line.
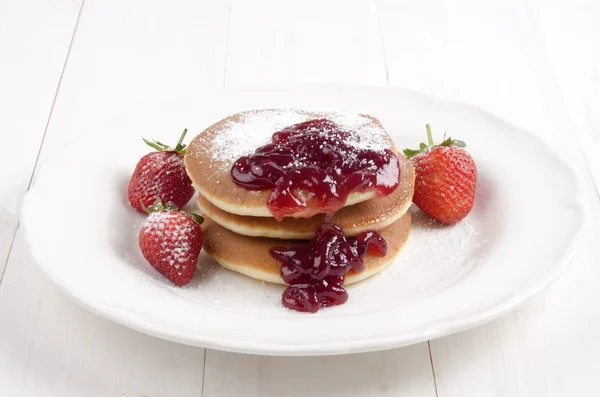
x,y
255,129
213,285
435,254
435,257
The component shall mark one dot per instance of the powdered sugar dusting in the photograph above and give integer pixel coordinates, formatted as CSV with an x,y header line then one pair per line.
x,y
367,134
440,249
153,180
255,129
170,239
159,175
435,255
215,286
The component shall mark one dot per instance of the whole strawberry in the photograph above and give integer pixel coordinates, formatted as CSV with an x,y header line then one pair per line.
x,y
161,174
445,179
171,241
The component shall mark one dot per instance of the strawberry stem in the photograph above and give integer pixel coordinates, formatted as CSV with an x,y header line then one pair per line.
x,y
180,146
196,217
429,135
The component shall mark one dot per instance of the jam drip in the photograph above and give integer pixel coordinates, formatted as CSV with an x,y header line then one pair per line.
x,y
316,272
312,167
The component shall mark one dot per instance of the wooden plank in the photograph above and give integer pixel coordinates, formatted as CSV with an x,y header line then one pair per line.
x,y
400,372
547,347
568,32
132,55
486,54
279,43
125,56
34,41
49,346
494,56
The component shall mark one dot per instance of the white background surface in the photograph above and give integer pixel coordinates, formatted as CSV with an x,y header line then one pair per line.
x,y
68,64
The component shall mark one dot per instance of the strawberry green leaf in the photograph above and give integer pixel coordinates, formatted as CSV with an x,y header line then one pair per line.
x,y
409,153
158,206
153,145
161,147
447,142
197,217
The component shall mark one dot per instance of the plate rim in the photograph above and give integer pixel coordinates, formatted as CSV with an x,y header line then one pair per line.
x,y
441,328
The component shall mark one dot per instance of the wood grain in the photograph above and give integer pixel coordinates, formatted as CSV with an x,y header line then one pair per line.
x,y
546,347
568,32
532,63
400,372
124,56
495,55
287,42
300,42
128,56
488,55
34,41
52,347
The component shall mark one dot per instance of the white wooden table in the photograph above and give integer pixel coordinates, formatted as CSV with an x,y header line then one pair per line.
x,y
66,65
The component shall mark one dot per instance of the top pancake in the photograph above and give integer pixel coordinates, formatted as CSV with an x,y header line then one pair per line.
x,y
211,154
353,219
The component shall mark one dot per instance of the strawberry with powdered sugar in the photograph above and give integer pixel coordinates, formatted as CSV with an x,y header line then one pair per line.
x,y
171,241
161,174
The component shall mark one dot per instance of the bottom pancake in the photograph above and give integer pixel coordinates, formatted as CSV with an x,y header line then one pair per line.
x,y
250,255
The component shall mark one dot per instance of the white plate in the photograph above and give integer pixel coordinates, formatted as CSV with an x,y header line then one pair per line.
x,y
527,217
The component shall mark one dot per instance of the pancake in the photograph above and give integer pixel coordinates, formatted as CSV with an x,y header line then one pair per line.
x,y
250,255
211,154
371,214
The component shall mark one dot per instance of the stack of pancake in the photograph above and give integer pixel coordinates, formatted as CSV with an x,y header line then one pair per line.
x,y
239,228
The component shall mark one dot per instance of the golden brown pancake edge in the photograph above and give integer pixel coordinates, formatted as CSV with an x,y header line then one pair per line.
x,y
250,255
211,177
372,214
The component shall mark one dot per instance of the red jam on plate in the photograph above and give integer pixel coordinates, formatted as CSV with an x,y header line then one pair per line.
x,y
316,272
315,162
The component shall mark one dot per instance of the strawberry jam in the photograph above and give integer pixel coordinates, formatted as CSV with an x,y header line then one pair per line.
x,y
316,272
313,166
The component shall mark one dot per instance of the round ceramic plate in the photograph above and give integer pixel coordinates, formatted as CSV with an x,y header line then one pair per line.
x,y
523,229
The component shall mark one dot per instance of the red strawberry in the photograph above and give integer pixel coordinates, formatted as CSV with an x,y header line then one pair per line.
x,y
171,241
445,179
161,174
